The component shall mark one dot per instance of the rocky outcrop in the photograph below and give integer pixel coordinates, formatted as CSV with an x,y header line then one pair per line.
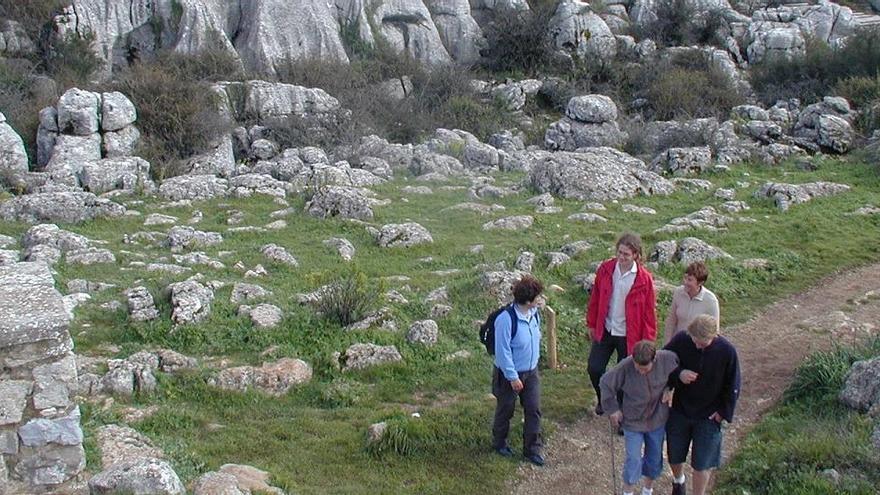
x,y
785,195
66,207
271,378
361,356
590,121
782,32
576,29
40,435
599,174
138,475
861,390
402,235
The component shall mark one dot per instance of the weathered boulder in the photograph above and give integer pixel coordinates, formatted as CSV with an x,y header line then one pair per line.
x,y
361,356
682,161
861,390
600,174
68,207
52,235
191,302
577,29
141,306
403,235
122,443
520,222
686,251
346,202
90,256
785,195
242,292
424,332
706,218
193,187
343,246
279,254
262,315
137,476
271,378
182,237
13,157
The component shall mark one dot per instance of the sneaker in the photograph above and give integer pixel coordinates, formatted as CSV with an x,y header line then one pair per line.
x,y
599,411
678,488
504,452
536,459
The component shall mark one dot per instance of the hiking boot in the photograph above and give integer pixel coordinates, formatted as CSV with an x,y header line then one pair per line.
x,y
599,411
620,430
536,459
678,488
504,452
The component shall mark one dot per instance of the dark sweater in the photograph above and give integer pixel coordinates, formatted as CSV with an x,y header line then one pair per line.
x,y
717,387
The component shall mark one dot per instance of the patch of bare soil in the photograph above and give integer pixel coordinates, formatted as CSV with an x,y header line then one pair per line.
x,y
771,346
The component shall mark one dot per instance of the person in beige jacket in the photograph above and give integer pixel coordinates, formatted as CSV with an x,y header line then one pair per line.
x,y
689,300
640,380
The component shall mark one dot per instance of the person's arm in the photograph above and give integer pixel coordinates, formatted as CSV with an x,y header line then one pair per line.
x,y
715,311
675,347
650,317
503,352
610,384
671,320
730,387
593,305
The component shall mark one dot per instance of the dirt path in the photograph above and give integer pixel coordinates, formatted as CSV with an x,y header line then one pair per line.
x,y
770,346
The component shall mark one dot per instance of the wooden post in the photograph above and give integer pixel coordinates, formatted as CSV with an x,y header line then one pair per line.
x,y
551,338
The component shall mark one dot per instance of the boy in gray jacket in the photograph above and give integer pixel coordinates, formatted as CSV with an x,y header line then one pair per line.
x,y
641,381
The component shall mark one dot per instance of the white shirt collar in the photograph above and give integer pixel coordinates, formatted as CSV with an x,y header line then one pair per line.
x,y
699,296
634,269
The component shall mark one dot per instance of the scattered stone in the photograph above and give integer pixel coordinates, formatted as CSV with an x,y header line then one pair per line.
x,y
42,253
184,237
139,476
361,356
53,236
727,194
861,390
375,319
586,218
755,264
275,379
242,292
424,332
262,315
343,247
519,222
735,206
686,251
257,271
440,311
90,256
121,443
193,187
250,479
80,285
279,254
683,161
785,195
403,235
440,295
706,218
556,259
164,267
191,302
642,210
574,248
525,262
341,201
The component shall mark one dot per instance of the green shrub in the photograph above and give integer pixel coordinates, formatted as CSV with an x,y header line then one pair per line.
x,y
348,299
33,15
863,92
681,23
517,41
403,436
72,61
177,111
821,377
816,73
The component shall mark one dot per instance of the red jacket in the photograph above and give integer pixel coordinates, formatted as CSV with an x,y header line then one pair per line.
x,y
640,305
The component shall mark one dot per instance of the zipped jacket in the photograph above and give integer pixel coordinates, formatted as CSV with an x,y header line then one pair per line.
x,y
641,406
640,305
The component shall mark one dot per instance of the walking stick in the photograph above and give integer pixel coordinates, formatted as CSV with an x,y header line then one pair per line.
x,y
551,338
613,433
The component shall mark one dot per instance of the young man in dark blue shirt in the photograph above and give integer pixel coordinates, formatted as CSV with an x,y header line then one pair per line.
x,y
706,383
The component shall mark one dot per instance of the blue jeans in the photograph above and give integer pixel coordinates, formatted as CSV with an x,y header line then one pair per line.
x,y
648,465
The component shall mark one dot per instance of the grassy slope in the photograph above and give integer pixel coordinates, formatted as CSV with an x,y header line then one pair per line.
x,y
312,439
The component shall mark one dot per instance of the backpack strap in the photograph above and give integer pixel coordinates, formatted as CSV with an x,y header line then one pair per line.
x,y
514,321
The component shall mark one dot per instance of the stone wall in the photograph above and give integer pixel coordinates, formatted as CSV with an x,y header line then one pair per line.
x,y
40,434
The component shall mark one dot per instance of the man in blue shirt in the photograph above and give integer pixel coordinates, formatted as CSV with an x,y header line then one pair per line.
x,y
516,370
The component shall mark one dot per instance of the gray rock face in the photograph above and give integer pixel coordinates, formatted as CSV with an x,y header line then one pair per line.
x,y
781,32
52,235
213,483
706,218
242,292
661,135
68,207
600,174
90,256
591,109
785,195
78,112
191,302
143,476
121,443
424,332
343,246
827,124
861,391
128,174
683,161
361,356
570,135
126,376
346,202
246,185
459,32
141,306
13,401
576,28
193,187
267,100
686,251
403,235
279,254
14,40
117,111
13,157
263,315
182,237
271,378
520,222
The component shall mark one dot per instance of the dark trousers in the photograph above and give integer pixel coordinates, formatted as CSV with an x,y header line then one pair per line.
x,y
600,354
530,398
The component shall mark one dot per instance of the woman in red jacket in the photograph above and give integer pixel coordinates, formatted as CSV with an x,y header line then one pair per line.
x,y
621,309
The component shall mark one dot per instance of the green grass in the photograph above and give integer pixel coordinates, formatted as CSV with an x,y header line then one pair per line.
x,y
810,433
313,439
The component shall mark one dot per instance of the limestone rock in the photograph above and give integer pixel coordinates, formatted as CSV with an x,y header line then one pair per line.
x,y
139,476
193,187
68,207
520,222
191,302
121,443
403,235
424,332
346,202
361,356
861,391
271,378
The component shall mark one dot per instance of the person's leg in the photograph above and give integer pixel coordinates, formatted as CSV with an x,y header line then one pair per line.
x,y
600,354
652,464
632,465
530,398
678,440
706,455
504,406
620,347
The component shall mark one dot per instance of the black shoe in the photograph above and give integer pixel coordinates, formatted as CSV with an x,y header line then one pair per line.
x,y
599,411
620,430
504,452
678,488
536,459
